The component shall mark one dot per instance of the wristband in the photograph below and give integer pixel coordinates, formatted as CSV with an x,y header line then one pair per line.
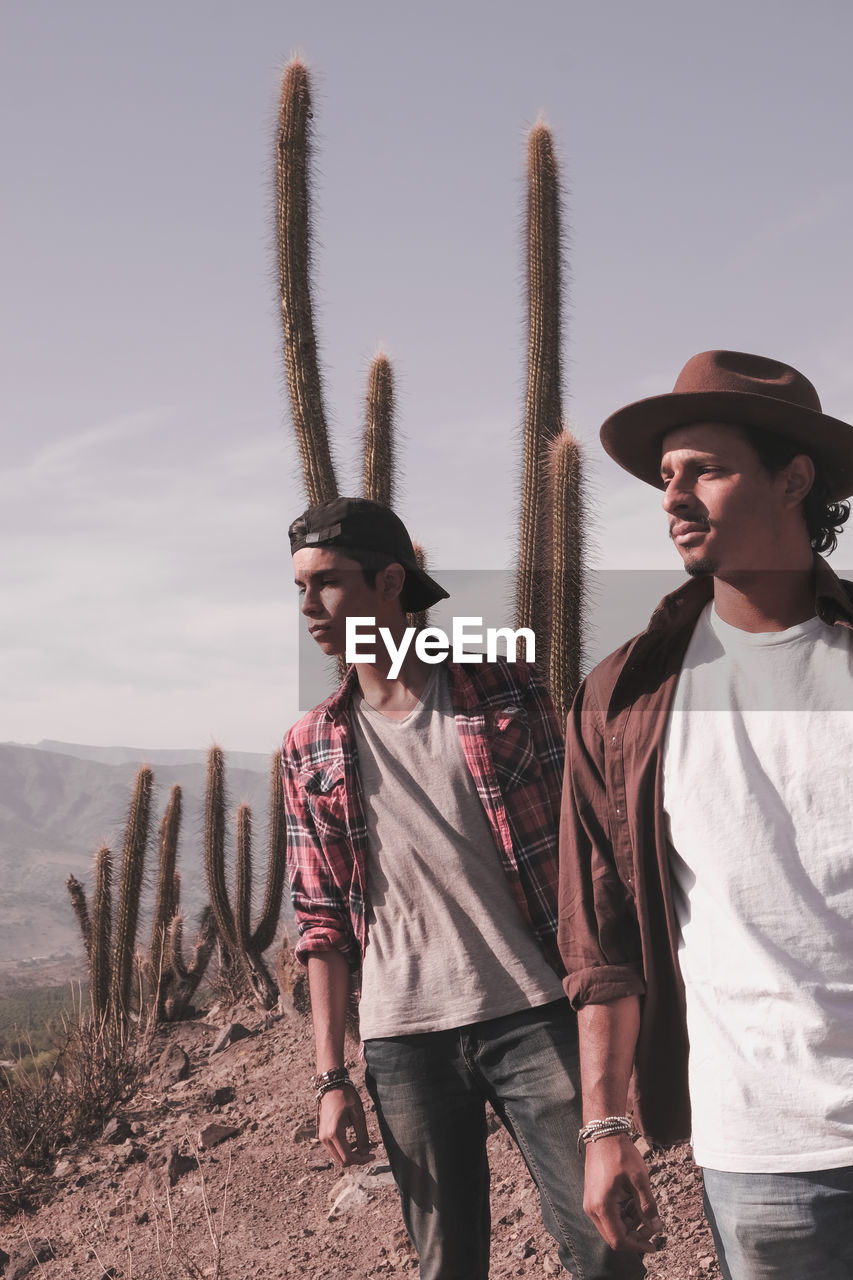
x,y
609,1127
328,1085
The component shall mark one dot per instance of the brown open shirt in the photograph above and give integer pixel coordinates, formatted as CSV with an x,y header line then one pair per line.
x,y
618,932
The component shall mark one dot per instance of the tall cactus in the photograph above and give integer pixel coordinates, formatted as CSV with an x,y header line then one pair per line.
x,y
293,239
166,902
101,934
234,925
543,408
565,473
127,912
378,433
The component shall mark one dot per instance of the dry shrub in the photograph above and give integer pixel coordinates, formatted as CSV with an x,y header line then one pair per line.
x,y
45,1108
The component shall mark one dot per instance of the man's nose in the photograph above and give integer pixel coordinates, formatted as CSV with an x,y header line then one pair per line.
x,y
310,601
676,495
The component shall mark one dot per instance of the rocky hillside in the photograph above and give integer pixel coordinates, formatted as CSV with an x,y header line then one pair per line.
x,y
213,1171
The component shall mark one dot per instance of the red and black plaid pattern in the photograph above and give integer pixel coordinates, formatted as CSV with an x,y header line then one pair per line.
x,y
512,744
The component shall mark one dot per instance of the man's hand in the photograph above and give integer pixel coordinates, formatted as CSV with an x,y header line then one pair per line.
x,y
340,1115
618,1196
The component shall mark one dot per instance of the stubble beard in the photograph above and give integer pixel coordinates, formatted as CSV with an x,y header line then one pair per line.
x,y
701,567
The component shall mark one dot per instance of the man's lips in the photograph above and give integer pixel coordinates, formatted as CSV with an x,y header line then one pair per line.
x,y
682,530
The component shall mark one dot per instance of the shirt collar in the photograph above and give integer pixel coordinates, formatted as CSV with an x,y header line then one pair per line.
x,y
833,602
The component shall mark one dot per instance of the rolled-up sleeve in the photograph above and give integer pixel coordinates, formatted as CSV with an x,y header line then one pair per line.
x,y
599,936
316,875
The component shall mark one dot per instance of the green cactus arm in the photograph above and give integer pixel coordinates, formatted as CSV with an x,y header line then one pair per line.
x,y
186,977
244,877
378,433
101,933
293,241
543,407
203,949
214,846
127,907
565,467
271,910
165,903
175,947
81,910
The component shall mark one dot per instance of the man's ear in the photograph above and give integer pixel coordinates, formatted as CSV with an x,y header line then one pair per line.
x,y
390,581
799,478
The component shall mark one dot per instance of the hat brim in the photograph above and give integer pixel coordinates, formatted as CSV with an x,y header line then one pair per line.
x,y
422,591
632,436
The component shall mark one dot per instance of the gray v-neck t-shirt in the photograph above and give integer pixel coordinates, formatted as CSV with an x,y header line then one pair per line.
x,y
446,943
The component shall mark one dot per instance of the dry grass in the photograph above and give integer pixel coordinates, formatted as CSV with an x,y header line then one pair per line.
x,y
70,1098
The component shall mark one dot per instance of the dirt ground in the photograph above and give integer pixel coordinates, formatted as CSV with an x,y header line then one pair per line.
x,y
256,1197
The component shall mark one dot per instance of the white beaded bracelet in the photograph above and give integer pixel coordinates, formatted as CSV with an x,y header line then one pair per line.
x,y
609,1127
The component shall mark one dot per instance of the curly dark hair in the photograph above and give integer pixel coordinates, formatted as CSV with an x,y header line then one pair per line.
x,y
824,519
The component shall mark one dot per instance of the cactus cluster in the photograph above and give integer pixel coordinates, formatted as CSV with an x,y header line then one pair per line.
x,y
549,584
162,983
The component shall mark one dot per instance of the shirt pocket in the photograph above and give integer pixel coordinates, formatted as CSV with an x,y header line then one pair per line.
x,y
325,792
512,748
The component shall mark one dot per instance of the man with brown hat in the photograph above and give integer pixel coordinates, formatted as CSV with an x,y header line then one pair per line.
x,y
706,855
422,813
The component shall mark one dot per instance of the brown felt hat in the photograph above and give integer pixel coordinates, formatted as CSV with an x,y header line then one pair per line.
x,y
740,390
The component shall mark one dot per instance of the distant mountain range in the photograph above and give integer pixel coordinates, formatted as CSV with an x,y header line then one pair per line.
x,y
59,801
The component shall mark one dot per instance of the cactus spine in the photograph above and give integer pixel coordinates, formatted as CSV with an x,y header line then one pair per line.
x,y
127,913
293,239
378,433
543,408
234,926
567,580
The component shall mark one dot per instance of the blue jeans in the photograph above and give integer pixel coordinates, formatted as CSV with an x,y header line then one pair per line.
x,y
430,1092
789,1226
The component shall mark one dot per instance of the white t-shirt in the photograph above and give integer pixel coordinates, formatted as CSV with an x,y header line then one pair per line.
x,y
758,791
446,942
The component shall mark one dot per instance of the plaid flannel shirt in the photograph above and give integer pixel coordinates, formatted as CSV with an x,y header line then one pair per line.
x,y
512,744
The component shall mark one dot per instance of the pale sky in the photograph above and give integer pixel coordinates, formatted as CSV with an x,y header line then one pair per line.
x,y
150,473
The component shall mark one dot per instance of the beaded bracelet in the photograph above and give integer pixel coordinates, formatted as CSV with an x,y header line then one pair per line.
x,y
330,1077
609,1127
328,1085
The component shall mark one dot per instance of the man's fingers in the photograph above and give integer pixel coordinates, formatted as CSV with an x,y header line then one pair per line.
x,y
623,1209
342,1115
362,1141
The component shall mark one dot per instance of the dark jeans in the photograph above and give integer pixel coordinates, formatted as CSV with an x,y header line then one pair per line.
x,y
788,1226
430,1092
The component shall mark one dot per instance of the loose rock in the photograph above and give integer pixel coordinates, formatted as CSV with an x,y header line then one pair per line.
x,y
212,1134
229,1035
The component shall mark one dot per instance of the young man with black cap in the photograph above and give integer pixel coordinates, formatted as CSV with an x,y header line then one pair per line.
x,y
422,852
706,858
